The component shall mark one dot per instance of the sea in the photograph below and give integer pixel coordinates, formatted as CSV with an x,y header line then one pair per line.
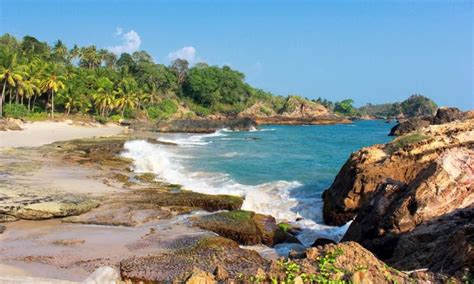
x,y
279,170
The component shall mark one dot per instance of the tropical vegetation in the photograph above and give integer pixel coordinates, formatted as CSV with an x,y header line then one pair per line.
x,y
36,78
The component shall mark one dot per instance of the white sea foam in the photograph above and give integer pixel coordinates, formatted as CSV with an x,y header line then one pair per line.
x,y
193,140
274,198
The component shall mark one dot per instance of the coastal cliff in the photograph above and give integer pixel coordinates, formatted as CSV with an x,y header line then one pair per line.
x,y
412,199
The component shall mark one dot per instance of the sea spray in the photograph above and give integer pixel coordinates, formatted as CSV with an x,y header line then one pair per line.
x,y
272,198
280,170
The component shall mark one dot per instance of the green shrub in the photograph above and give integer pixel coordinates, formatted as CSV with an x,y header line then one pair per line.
x,y
403,141
200,110
100,119
164,110
266,110
15,110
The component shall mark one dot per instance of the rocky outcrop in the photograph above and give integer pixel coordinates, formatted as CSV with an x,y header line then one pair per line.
x,y
145,205
295,111
443,115
205,254
245,227
401,160
424,223
195,125
24,204
9,124
410,125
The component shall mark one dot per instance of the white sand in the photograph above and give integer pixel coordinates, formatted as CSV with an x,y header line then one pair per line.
x,y
45,132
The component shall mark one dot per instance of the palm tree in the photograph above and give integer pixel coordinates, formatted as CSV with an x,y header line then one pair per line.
x,y
11,74
60,51
52,83
89,57
125,100
104,98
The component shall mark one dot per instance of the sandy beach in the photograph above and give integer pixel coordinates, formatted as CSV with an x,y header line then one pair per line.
x,y
36,134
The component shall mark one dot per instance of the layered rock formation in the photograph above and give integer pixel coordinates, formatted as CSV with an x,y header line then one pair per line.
x,y
402,160
413,197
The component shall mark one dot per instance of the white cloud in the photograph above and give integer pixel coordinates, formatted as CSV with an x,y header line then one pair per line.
x,y
188,53
130,42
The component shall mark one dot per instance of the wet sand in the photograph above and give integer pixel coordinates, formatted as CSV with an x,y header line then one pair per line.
x,y
52,249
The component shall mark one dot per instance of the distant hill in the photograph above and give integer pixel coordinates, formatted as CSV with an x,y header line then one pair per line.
x,y
414,106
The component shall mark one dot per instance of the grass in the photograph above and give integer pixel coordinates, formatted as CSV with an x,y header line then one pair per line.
x,y
404,141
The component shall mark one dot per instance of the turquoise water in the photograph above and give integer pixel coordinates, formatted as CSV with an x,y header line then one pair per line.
x,y
311,155
279,170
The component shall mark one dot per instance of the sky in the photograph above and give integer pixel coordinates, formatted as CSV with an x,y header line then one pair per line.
x,y
371,51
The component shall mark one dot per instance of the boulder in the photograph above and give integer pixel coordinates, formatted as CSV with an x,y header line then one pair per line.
x,y
410,125
442,116
205,254
244,227
447,114
9,124
403,222
2,229
401,160
335,263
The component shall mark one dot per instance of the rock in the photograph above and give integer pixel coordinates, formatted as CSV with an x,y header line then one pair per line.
x,y
30,206
336,263
401,160
205,253
103,275
220,273
2,229
244,227
195,125
322,242
410,125
9,124
200,277
145,205
445,115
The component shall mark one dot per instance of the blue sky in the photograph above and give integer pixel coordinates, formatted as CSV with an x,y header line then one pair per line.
x,y
371,51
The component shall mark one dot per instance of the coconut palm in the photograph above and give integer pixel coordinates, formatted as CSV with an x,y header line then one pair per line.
x,y
52,83
11,74
125,100
104,98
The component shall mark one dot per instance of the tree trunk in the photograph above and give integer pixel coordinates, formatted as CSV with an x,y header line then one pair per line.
x,y
34,102
2,98
29,104
52,103
10,96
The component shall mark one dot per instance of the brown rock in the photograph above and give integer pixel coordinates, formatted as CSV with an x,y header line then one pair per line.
x,y
401,160
244,227
2,229
397,225
200,277
205,253
355,263
220,273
